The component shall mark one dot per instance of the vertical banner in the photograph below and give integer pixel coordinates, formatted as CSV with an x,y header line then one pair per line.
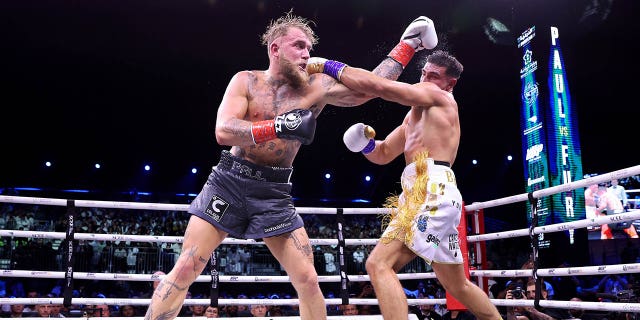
x,y
565,161
536,170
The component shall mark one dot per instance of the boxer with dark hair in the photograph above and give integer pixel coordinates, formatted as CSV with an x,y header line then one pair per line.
x,y
426,215
266,116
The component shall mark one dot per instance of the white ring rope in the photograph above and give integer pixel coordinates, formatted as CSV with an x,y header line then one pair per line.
x,y
606,177
143,302
585,305
625,216
598,221
167,206
590,270
160,239
200,278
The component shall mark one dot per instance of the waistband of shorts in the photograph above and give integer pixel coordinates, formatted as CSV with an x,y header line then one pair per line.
x,y
442,163
437,171
239,166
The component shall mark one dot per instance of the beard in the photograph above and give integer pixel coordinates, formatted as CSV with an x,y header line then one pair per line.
x,y
293,74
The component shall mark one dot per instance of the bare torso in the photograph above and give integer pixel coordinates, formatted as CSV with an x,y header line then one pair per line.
x,y
268,98
609,202
435,129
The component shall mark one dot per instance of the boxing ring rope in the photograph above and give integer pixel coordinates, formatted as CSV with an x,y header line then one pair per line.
x,y
590,270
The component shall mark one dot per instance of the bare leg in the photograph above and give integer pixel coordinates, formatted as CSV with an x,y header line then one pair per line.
x,y
631,231
453,279
382,264
294,252
200,239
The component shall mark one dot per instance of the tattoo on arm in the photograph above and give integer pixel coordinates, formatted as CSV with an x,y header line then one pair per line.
x,y
389,69
237,127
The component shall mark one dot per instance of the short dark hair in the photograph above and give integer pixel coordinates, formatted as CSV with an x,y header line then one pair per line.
x,y
443,59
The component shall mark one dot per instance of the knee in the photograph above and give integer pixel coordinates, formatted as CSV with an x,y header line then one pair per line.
x,y
186,270
308,278
373,265
457,289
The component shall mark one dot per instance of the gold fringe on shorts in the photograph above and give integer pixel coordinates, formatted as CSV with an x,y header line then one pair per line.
x,y
401,217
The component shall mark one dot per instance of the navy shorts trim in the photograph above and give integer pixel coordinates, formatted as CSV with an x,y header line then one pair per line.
x,y
239,166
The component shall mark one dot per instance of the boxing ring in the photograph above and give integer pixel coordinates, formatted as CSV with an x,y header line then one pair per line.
x,y
473,243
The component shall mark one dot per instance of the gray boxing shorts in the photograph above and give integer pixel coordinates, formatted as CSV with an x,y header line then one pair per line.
x,y
246,200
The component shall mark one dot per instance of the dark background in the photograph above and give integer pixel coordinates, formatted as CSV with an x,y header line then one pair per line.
x,y
126,83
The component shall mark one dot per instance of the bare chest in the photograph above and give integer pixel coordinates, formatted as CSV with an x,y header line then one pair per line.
x,y
267,100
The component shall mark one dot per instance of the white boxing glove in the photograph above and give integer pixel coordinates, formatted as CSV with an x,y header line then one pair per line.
x,y
359,138
420,34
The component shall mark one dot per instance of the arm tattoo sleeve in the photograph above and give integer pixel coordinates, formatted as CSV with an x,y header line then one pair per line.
x,y
238,128
389,69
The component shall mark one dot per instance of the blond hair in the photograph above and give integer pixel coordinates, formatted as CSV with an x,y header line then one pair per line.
x,y
279,27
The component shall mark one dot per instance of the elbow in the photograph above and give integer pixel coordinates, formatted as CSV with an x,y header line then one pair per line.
x,y
380,161
222,138
360,98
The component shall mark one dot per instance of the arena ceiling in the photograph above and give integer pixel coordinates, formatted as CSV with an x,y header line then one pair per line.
x,y
131,82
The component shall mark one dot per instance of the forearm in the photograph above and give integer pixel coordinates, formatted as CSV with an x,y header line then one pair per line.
x,y
363,81
234,132
534,314
380,154
389,69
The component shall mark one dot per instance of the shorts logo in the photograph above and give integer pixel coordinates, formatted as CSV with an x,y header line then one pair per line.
x,y
454,244
422,223
433,240
277,227
216,208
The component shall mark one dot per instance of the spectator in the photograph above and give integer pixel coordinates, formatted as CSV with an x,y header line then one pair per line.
x,y
330,260
128,311
458,315
197,310
548,287
358,259
120,258
43,310
531,313
258,310
609,286
576,313
56,311
98,311
212,312
16,310
234,261
427,311
619,192
242,310
349,310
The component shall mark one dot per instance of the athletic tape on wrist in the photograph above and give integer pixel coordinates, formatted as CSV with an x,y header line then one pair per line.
x,y
334,68
262,131
402,53
370,146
